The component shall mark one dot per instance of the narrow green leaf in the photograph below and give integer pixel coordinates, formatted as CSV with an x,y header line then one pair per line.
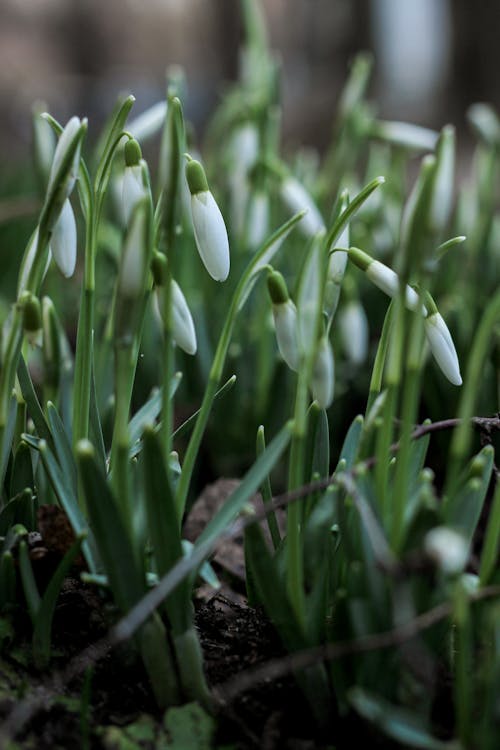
x,y
62,446
149,412
115,129
489,554
463,509
19,510
7,436
22,470
30,588
117,552
35,410
7,580
249,485
350,447
95,425
46,609
267,494
351,209
190,420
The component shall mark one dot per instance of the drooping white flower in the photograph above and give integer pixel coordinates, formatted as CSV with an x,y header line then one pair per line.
x,y
323,374
183,330
66,146
447,548
285,320
353,326
133,188
442,347
385,278
209,229
296,198
63,240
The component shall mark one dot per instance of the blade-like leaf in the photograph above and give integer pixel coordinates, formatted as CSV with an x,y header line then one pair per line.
x,y
62,446
35,410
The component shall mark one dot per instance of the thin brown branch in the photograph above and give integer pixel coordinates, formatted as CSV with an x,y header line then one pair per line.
x,y
271,670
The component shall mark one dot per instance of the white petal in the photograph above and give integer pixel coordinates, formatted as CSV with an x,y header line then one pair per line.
x,y
63,240
442,347
285,323
447,548
323,375
296,197
258,220
336,266
133,266
354,332
210,235
409,135
388,281
147,123
132,190
182,322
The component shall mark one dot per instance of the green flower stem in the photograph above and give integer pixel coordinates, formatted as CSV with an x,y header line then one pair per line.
x,y
380,358
408,418
463,667
168,365
124,381
472,384
245,284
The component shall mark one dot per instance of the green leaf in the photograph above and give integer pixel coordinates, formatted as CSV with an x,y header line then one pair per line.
x,y
62,446
22,470
114,131
397,723
45,613
34,408
249,485
7,580
351,209
19,510
95,425
349,451
463,509
189,728
7,436
318,443
489,554
117,552
28,581
148,413
164,526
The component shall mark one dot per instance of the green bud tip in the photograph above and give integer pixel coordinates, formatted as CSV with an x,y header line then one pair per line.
x,y
32,312
159,268
429,303
132,152
278,291
85,449
359,258
195,175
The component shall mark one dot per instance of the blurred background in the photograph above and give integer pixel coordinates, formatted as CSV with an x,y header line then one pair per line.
x,y
432,58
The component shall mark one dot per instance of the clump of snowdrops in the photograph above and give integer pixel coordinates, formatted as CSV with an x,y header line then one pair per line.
x,y
301,276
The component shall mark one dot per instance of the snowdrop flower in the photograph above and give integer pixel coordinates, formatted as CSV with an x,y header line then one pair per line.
x,y
447,548
285,320
134,262
64,170
296,198
209,229
406,134
63,240
258,219
442,346
44,144
183,330
133,185
442,191
385,278
323,374
354,332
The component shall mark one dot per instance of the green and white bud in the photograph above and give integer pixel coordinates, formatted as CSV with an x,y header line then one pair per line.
x,y
485,122
148,122
385,278
353,326
442,347
27,262
285,320
323,374
134,266
309,298
44,145
337,262
447,549
63,241
296,198
405,134
183,330
209,229
133,188
244,151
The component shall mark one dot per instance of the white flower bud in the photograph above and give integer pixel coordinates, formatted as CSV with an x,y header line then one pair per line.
x,y
132,190
183,330
134,263
148,122
323,374
258,219
407,135
64,144
63,240
388,281
447,548
285,323
354,332
296,198
442,347
209,229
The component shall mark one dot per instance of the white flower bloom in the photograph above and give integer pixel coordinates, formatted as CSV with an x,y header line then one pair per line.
x,y
442,347
134,266
132,190
63,240
388,281
210,234
323,375
285,324
296,197
182,322
407,135
442,193
447,548
354,332
258,219
148,122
